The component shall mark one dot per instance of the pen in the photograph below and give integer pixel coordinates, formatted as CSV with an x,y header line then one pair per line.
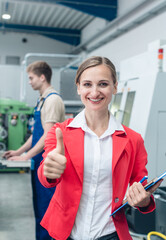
x,y
142,180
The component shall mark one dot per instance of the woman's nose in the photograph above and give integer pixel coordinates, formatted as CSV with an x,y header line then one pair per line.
x,y
95,91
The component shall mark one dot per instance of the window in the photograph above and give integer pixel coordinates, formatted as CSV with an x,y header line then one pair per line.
x,y
128,108
116,104
12,60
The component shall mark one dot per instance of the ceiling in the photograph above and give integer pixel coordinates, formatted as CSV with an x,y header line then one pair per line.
x,y
62,20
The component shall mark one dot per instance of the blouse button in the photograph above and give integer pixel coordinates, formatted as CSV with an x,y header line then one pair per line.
x,y
116,200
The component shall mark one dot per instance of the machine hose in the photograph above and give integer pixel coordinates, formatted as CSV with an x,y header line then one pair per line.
x,y
157,234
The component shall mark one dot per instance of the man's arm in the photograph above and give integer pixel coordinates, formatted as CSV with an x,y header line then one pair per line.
x,y
25,147
38,146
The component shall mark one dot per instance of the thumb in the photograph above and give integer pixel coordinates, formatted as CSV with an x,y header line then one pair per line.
x,y
60,145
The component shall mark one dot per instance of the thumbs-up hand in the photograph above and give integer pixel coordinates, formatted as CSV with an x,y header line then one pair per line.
x,y
55,162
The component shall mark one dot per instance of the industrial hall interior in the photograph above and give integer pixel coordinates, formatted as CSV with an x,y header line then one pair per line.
x,y
82,119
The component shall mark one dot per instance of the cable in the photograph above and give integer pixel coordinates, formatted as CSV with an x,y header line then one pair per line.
x,y
156,233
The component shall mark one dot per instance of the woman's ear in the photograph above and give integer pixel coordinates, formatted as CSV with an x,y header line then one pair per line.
x,y
78,88
115,88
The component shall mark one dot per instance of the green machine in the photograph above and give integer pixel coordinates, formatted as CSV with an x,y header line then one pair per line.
x,y
16,123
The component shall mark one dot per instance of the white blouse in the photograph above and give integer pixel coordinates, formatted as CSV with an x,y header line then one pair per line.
x,y
93,217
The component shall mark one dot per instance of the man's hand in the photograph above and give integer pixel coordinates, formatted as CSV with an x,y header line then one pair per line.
x,y
9,154
55,162
18,158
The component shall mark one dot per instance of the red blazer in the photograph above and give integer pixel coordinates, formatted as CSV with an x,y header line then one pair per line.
x,y
128,165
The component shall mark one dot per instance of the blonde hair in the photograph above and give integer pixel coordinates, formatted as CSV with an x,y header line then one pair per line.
x,y
93,62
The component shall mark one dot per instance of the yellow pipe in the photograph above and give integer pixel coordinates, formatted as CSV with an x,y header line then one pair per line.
x,y
156,233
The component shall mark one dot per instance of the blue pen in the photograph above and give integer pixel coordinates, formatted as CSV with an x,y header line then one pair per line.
x,y
142,180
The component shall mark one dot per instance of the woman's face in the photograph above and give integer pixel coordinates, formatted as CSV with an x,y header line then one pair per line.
x,y
96,87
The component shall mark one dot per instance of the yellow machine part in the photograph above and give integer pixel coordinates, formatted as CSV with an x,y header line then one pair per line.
x,y
157,234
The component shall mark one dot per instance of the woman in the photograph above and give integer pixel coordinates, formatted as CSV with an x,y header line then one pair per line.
x,y
92,159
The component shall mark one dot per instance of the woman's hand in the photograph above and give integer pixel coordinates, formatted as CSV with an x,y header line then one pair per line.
x,y
137,196
55,162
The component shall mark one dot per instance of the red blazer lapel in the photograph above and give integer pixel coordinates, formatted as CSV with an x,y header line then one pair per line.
x,y
120,141
74,142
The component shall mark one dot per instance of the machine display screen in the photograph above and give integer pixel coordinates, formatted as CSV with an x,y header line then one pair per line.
x,y
128,108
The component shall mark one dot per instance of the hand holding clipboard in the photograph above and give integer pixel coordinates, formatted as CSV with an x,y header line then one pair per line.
x,y
146,187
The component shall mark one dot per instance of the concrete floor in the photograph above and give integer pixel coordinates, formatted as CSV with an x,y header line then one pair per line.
x,y
16,212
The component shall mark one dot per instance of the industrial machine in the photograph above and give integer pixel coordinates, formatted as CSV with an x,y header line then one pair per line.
x,y
68,91
16,122
141,105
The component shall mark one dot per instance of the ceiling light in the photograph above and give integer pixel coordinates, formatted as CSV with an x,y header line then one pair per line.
x,y
6,16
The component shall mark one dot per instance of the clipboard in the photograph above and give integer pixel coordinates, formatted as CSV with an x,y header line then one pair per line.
x,y
153,181
146,187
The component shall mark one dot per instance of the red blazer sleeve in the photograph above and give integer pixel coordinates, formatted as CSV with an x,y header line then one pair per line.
x,y
140,167
50,144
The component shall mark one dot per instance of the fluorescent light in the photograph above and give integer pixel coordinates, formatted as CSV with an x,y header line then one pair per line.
x,y
6,16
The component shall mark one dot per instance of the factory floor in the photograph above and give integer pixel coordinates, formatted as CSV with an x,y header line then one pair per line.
x,y
16,212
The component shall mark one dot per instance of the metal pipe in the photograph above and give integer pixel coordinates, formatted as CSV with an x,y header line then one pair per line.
x,y
68,2
119,25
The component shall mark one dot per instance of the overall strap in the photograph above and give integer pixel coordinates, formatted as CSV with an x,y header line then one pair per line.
x,y
47,97
38,101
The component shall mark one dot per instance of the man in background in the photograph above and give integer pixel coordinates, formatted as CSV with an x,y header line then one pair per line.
x,y
49,110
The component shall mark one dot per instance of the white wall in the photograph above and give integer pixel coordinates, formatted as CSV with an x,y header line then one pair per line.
x,y
126,5
98,23
11,45
133,42
10,78
94,27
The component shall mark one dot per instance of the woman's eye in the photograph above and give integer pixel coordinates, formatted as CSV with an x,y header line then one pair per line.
x,y
103,84
87,84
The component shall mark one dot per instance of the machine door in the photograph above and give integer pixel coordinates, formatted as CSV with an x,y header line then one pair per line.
x,y
123,102
115,107
161,142
128,108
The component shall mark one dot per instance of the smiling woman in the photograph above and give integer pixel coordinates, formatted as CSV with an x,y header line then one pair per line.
x,y
96,83
92,159
96,88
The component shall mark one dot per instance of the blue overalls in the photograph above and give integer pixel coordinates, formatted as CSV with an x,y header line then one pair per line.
x,y
41,195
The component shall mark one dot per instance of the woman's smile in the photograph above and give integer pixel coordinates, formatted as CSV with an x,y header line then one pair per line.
x,y
97,100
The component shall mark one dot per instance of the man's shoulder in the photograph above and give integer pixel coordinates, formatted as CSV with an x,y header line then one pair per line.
x,y
52,97
51,91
